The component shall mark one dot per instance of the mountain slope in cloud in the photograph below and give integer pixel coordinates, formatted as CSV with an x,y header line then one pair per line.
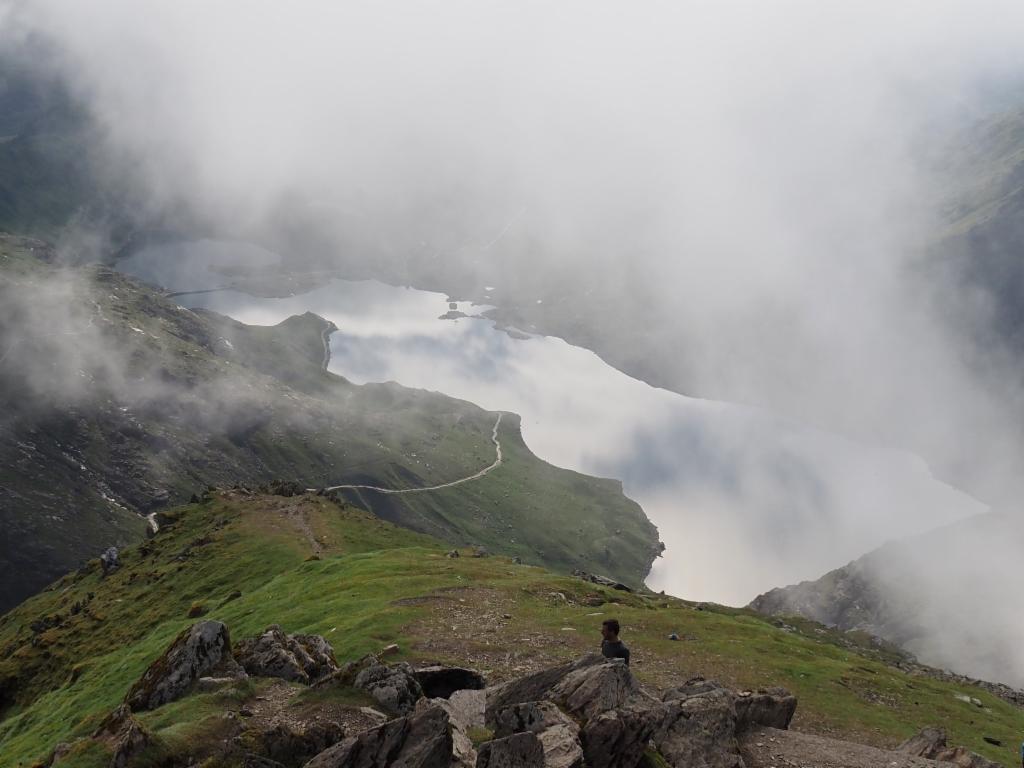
x,y
951,596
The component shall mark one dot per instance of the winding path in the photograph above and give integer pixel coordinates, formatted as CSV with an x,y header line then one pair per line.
x,y
485,471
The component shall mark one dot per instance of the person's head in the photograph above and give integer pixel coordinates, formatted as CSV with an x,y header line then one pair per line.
x,y
610,629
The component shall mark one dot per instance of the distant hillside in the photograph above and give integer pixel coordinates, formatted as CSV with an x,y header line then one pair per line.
x,y
950,596
69,655
115,402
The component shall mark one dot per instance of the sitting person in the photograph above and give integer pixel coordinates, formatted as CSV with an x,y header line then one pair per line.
x,y
611,646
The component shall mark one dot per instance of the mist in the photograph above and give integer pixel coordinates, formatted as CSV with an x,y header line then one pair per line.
x,y
750,187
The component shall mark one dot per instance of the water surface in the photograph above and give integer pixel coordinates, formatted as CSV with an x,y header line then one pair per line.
x,y
743,500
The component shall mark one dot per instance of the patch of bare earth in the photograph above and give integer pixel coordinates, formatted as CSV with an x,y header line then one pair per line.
x,y
276,704
478,628
769,748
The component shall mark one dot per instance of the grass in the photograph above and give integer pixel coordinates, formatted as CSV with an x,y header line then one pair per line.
x,y
377,584
185,410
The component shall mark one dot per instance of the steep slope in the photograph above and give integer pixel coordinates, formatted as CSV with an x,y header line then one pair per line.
x,y
948,596
69,655
116,402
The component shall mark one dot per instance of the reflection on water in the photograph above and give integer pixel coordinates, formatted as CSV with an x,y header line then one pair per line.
x,y
744,501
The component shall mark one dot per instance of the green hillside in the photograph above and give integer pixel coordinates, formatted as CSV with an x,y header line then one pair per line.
x,y
115,402
69,655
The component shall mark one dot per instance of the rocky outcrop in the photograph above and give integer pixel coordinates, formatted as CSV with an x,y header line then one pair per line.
x,y
521,750
771,707
558,733
393,686
533,687
931,743
463,752
422,740
591,690
197,651
704,718
700,728
297,658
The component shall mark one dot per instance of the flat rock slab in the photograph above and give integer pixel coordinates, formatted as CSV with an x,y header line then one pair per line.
x,y
767,748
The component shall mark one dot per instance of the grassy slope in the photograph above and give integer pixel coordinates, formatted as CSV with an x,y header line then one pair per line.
x,y
376,584
191,410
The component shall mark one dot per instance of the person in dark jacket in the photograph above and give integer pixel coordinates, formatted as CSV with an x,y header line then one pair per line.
x,y
611,646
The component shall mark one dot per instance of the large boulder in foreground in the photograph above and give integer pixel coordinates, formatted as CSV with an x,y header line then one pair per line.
x,y
700,727
771,707
393,686
296,658
558,733
534,687
521,750
197,651
422,740
931,743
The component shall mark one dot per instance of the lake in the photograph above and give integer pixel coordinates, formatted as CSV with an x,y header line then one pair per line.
x,y
744,500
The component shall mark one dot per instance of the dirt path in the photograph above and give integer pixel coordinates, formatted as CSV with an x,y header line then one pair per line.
x,y
476,476
769,748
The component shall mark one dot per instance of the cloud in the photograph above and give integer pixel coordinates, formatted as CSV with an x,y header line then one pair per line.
x,y
750,174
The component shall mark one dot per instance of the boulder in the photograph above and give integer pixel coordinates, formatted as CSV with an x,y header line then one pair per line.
x,y
534,687
931,743
440,682
467,707
597,688
521,750
297,658
393,686
617,738
772,707
463,751
558,733
700,728
291,747
422,740
197,651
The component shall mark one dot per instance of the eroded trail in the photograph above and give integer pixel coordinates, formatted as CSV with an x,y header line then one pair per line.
x,y
476,476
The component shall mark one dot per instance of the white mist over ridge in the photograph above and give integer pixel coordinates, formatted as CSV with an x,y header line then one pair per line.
x,y
748,172
740,497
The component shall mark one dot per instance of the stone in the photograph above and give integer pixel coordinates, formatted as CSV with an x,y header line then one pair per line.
x,y
467,708
700,728
441,682
772,707
931,743
533,687
109,561
617,738
297,658
594,689
198,650
291,747
394,687
463,751
422,740
521,750
558,733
